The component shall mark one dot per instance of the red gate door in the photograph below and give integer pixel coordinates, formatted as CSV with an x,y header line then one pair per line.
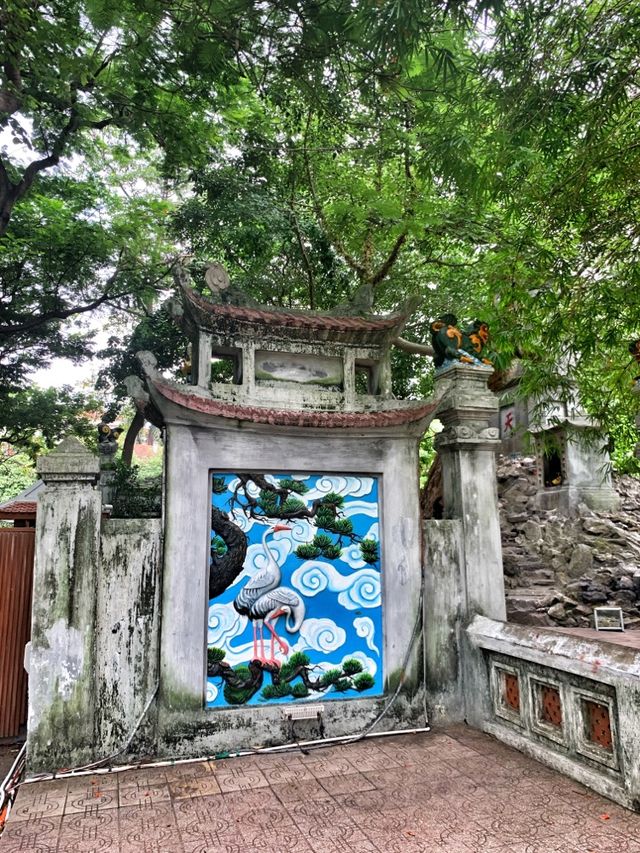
x,y
16,581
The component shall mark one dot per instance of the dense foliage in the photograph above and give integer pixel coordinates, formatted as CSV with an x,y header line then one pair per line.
x,y
481,155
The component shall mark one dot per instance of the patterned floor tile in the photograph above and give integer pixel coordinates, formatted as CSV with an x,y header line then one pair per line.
x,y
148,817
453,792
346,784
240,803
290,772
141,796
282,838
602,842
266,821
204,809
82,784
205,845
339,845
308,791
150,778
53,786
30,805
193,786
215,832
365,801
91,801
189,769
34,835
241,780
372,760
338,766
82,827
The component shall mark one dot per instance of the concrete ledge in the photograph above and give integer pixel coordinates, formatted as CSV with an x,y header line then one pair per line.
x,y
591,728
598,660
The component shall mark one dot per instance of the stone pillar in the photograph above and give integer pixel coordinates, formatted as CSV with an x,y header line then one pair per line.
x,y
62,660
470,579
467,447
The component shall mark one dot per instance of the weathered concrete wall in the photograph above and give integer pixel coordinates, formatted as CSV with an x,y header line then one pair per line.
x,y
63,636
185,727
444,612
128,617
95,620
580,671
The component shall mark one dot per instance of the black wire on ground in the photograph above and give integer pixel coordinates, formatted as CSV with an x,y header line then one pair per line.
x,y
284,748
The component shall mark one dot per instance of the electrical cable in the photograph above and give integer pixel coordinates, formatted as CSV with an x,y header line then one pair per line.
x,y
304,746
7,789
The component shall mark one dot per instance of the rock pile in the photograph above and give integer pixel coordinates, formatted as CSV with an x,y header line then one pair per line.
x,y
558,568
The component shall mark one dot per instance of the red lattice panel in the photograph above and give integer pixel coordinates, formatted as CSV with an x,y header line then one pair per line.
x,y
511,691
599,725
550,706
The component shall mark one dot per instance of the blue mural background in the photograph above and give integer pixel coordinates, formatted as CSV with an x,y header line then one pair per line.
x,y
342,596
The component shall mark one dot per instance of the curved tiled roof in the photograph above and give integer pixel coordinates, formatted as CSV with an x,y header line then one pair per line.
x,y
294,319
299,418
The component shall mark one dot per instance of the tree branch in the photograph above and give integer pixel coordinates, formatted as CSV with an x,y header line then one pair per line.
x,y
383,270
64,313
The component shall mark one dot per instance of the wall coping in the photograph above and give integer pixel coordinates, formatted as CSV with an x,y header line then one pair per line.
x,y
598,660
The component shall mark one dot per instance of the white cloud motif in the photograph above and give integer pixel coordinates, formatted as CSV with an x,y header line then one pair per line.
x,y
360,508
240,520
365,628
321,635
360,589
301,531
355,487
212,692
224,623
352,556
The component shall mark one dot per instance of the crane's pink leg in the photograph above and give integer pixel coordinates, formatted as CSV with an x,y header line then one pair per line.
x,y
255,640
284,648
262,657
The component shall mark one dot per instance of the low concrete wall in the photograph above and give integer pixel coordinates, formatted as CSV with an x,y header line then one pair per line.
x,y
571,703
128,619
93,661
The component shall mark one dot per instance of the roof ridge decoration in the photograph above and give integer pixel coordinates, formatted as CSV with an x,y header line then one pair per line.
x,y
276,316
229,306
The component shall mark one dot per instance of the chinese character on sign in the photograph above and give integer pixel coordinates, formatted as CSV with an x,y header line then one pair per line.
x,y
507,421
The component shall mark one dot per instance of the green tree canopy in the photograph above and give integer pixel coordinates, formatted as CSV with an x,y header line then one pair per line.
x,y
481,155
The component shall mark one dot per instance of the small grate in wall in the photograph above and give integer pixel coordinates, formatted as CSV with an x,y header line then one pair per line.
x,y
550,706
511,691
598,725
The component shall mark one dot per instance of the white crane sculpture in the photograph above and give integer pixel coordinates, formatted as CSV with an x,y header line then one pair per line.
x,y
264,601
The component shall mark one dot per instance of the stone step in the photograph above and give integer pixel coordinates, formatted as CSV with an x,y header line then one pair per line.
x,y
528,618
538,577
527,596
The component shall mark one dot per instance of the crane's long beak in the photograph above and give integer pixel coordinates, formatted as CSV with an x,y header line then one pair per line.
x,y
277,527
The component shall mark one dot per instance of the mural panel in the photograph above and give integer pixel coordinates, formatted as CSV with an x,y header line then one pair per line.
x,y
295,608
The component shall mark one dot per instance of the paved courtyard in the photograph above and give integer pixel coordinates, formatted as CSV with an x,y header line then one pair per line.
x,y
454,790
